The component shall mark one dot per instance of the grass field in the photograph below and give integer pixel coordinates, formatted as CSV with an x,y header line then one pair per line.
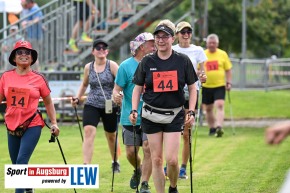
x,y
259,104
241,164
233,164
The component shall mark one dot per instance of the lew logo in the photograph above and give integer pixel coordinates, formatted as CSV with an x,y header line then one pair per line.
x,y
84,176
52,176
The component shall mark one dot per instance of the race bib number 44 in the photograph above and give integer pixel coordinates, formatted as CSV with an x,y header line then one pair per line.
x,y
17,97
165,81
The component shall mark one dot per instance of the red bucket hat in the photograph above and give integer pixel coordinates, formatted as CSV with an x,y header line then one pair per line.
x,y
23,44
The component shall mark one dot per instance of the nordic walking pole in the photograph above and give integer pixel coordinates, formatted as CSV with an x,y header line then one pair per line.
x,y
52,140
135,151
78,120
116,145
231,113
191,157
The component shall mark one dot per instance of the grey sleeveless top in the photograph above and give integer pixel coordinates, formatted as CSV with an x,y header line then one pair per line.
x,y
96,96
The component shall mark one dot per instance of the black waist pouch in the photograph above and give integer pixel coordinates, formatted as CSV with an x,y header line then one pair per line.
x,y
20,130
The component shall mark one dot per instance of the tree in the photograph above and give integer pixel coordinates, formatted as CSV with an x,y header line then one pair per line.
x,y
224,19
266,26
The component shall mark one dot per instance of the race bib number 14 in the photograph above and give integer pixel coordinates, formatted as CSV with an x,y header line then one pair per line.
x,y
17,97
165,81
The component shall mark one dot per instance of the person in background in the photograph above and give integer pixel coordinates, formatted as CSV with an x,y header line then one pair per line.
x,y
25,10
99,75
142,45
274,135
165,74
89,8
22,88
34,30
8,45
218,69
197,56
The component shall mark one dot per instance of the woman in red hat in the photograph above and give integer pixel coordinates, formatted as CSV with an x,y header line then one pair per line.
x,y
22,88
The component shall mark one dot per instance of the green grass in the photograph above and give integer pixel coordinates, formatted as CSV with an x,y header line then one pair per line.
x,y
241,164
233,164
259,104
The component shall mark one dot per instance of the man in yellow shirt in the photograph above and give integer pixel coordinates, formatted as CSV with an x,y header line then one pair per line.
x,y
219,76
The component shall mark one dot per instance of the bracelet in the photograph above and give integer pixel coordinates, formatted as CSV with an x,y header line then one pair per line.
x,y
133,111
191,113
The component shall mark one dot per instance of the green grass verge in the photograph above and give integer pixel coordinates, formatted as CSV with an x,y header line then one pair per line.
x,y
258,104
241,164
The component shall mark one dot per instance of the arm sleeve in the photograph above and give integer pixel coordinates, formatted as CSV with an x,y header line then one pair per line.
x,y
44,88
228,64
121,77
190,73
2,85
201,57
139,76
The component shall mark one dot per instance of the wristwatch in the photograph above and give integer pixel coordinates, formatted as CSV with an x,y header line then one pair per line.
x,y
133,111
191,113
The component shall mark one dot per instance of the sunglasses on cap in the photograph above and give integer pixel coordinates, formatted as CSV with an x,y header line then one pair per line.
x,y
21,52
183,32
101,47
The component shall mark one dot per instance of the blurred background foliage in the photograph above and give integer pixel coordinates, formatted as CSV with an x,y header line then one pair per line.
x,y
268,25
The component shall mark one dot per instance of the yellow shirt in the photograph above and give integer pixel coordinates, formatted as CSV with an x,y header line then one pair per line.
x,y
215,67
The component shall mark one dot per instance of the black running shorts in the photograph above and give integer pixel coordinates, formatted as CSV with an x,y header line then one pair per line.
x,y
150,127
209,95
92,115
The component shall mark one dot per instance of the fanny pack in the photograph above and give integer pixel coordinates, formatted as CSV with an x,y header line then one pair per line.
x,y
159,115
20,130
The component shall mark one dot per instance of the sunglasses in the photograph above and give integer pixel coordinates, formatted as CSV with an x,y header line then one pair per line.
x,y
101,47
186,32
21,52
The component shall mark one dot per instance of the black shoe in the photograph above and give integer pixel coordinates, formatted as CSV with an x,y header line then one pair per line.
x,y
172,190
219,132
116,167
135,180
212,131
29,190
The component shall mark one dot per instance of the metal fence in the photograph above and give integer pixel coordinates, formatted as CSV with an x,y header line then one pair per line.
x,y
267,74
59,18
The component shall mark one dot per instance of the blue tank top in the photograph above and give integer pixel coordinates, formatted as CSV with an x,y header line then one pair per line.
x,y
96,97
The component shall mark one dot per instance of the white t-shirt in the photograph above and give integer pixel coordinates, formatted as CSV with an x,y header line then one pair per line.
x,y
196,55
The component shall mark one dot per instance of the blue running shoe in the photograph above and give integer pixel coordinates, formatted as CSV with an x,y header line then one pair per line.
x,y
165,173
182,173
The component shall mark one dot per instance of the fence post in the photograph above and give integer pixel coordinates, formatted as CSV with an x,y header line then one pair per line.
x,y
242,74
266,74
